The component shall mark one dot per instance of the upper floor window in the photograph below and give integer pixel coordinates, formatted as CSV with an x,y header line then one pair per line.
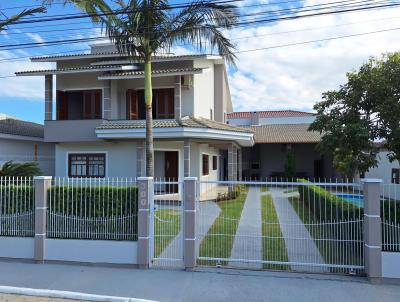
x,y
163,104
79,104
87,165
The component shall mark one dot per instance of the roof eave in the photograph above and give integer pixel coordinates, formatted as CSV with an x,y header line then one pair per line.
x,y
154,75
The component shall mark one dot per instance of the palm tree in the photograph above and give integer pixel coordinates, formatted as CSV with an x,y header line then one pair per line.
x,y
141,29
10,168
10,20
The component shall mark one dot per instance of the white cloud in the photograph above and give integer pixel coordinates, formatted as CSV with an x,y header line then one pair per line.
x,y
294,77
30,88
36,37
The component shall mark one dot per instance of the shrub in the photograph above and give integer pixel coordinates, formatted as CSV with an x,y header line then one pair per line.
x,y
327,206
16,198
78,200
231,194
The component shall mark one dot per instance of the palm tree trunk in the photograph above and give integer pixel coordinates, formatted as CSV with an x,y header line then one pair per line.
x,y
148,92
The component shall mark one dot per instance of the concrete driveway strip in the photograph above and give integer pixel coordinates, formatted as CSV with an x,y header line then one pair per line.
x,y
300,246
248,240
206,285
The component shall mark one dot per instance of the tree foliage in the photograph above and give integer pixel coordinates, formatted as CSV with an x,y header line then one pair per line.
x,y
362,112
10,168
290,164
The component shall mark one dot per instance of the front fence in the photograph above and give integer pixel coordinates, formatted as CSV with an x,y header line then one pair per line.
x,y
301,225
390,215
101,209
17,216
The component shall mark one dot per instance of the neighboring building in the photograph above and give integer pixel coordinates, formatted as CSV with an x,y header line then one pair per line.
x,y
22,142
98,123
276,132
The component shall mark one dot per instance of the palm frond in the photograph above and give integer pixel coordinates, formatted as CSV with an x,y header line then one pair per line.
x,y
28,12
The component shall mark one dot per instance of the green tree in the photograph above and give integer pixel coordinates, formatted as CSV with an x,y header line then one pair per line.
x,y
144,28
4,23
20,169
362,112
290,165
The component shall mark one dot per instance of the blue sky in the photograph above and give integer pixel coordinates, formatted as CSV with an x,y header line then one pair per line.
x,y
280,78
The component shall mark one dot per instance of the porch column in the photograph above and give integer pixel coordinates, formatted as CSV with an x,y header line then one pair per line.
x,y
240,167
186,158
140,159
372,229
48,97
177,97
107,100
232,162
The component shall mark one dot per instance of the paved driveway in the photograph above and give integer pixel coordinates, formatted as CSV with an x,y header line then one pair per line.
x,y
206,285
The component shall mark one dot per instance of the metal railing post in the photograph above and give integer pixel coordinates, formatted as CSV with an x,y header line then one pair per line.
x,y
189,222
42,184
372,229
146,192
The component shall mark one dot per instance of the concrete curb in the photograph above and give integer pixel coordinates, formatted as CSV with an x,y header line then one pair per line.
x,y
46,293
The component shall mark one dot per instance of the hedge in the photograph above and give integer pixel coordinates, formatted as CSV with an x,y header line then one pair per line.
x,y
16,198
114,201
327,206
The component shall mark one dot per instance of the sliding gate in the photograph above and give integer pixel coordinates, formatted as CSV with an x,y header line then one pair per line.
x,y
304,225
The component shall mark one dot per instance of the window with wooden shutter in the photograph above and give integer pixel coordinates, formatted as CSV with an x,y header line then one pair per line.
x,y
87,105
205,164
132,105
61,105
395,176
98,104
164,103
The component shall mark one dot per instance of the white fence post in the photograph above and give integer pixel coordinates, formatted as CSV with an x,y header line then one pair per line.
x,y
189,222
372,229
146,192
41,183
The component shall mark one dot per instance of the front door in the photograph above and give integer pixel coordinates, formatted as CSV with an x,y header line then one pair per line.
x,y
172,170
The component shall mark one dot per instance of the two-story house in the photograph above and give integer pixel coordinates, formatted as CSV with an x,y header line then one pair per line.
x,y
98,121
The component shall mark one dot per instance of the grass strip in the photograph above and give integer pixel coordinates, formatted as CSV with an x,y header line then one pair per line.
x,y
274,248
166,227
218,241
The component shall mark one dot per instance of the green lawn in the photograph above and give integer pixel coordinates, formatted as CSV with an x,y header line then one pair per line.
x,y
327,237
273,243
264,189
290,191
166,227
218,241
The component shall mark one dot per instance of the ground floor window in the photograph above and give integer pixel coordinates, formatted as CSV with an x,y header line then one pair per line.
x,y
215,163
87,165
395,176
206,164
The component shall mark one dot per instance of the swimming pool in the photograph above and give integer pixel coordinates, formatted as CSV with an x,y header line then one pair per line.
x,y
355,199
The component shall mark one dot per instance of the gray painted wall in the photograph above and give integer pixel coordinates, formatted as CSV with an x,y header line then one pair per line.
x,y
22,151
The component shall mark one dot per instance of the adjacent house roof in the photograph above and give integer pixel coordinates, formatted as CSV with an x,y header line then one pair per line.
x,y
277,113
284,133
189,122
21,128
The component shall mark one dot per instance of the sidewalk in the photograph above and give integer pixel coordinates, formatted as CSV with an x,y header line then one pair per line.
x,y
205,285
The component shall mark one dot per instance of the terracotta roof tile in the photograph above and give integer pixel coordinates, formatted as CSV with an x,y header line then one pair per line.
x,y
277,113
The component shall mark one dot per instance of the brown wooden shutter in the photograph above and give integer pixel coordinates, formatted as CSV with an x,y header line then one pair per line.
x,y
61,105
87,105
132,105
97,104
165,103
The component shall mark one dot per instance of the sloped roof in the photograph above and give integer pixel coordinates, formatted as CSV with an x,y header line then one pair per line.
x,y
112,54
284,133
186,121
276,113
21,128
156,72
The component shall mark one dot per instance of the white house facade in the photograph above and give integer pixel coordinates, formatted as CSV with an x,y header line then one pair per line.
x,y
98,121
